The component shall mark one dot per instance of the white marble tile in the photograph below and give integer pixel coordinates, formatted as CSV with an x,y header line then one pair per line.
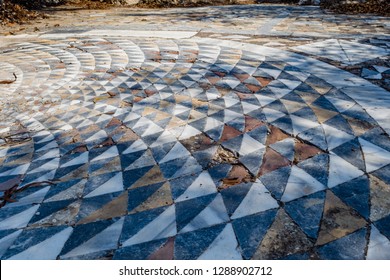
x,y
50,154
81,159
203,185
375,157
19,220
341,171
212,123
178,151
340,104
36,197
152,129
105,240
50,145
110,153
46,250
272,115
300,184
51,165
100,135
378,246
179,109
264,100
162,227
21,169
257,200
344,51
249,145
164,138
301,124
145,160
215,213
248,107
231,81
231,115
7,241
224,247
115,184
291,84
335,137
189,132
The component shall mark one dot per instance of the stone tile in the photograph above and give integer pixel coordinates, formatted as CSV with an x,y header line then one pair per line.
x,y
283,238
338,220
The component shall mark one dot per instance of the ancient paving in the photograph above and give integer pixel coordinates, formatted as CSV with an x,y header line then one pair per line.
x,y
251,132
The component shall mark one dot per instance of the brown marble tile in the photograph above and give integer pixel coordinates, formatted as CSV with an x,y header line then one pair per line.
x,y
229,132
304,151
252,123
283,238
153,176
115,208
272,161
380,199
166,252
275,135
338,220
162,197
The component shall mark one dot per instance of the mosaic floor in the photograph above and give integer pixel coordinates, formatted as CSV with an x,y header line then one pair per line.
x,y
186,147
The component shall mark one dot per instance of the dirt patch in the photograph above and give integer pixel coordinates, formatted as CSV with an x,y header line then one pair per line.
x,y
189,3
13,13
379,7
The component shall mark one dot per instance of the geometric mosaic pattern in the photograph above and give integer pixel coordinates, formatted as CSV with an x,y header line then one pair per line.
x,y
183,149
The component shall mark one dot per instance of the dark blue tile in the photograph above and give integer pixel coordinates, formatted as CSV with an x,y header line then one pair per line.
x,y
317,167
285,124
96,181
189,246
169,168
378,137
383,226
219,172
306,113
340,123
297,257
278,106
356,193
307,212
135,222
180,185
250,231
139,195
139,251
187,210
324,103
259,133
233,196
350,247
258,114
316,136
128,159
62,172
238,123
46,209
252,162
82,233
29,238
132,176
92,204
215,133
383,174
159,152
351,152
276,181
